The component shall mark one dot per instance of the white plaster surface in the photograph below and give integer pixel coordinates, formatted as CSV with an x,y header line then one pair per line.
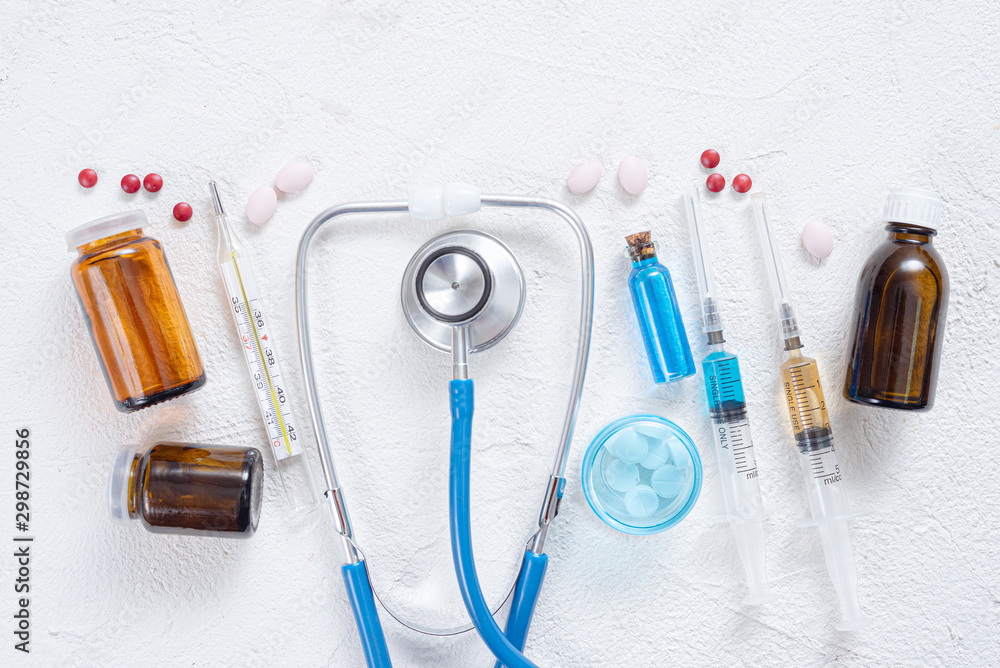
x,y
826,105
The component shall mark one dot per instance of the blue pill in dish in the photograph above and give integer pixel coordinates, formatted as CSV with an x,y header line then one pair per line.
x,y
641,501
667,481
658,453
628,445
619,475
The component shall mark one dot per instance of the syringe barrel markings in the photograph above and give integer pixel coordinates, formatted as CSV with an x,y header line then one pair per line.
x,y
731,432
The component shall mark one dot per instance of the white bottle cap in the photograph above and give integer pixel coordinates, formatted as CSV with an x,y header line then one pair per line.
x,y
104,227
118,484
913,206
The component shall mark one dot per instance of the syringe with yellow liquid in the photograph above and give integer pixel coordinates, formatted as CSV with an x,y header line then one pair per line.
x,y
813,437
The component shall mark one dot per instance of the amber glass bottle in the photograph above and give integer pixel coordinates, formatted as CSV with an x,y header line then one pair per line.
x,y
900,309
133,311
186,488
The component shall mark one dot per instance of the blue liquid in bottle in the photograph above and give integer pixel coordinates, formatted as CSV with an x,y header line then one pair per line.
x,y
658,313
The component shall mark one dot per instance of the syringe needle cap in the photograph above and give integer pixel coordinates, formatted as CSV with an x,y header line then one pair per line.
x,y
216,202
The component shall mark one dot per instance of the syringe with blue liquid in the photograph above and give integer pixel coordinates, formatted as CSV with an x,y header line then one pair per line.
x,y
730,425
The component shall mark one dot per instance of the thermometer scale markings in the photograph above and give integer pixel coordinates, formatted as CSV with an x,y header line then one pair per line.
x,y
255,336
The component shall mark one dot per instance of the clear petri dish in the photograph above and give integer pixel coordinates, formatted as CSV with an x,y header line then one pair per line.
x,y
641,474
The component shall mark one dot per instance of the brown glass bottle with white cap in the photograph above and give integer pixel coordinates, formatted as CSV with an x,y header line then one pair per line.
x,y
133,311
900,309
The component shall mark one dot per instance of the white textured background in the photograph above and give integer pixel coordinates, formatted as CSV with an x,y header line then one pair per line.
x,y
824,104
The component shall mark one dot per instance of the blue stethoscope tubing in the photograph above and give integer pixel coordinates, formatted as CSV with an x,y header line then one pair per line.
x,y
507,653
508,645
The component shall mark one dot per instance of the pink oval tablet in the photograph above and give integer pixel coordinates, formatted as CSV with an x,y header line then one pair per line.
x,y
632,175
293,177
584,177
261,205
817,238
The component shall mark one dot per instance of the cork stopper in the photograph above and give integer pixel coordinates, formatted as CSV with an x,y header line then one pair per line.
x,y
640,246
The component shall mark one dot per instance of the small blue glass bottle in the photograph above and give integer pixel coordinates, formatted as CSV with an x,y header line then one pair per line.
x,y
658,313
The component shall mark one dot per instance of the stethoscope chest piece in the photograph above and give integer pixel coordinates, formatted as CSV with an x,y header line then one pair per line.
x,y
463,277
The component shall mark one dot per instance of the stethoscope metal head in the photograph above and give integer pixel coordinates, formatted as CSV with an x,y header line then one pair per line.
x,y
454,285
463,278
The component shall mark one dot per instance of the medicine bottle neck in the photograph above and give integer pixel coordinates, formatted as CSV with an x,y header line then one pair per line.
x,y
644,262
910,234
108,242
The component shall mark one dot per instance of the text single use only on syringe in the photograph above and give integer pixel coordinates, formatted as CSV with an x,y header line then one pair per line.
x,y
730,424
803,396
253,326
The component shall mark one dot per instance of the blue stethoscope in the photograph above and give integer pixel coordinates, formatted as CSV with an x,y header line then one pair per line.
x,y
462,292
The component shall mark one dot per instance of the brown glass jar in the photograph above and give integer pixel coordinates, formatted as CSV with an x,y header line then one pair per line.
x,y
189,489
900,309
133,312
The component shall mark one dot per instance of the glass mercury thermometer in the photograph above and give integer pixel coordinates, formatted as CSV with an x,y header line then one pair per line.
x,y
803,396
730,424
253,326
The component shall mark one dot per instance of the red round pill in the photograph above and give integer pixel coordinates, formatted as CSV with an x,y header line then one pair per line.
x,y
152,182
710,158
130,183
182,212
742,183
87,178
715,182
